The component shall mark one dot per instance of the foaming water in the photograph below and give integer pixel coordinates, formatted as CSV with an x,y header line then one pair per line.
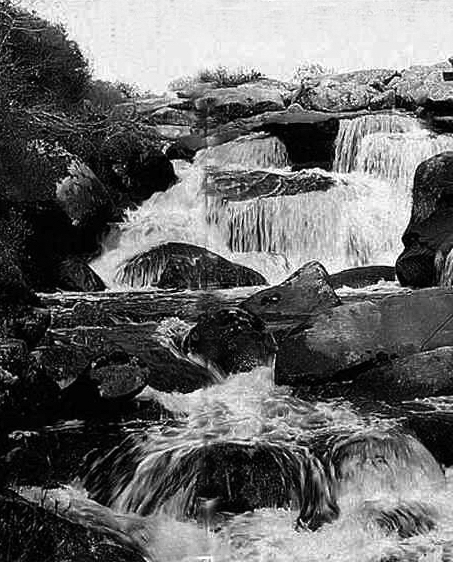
x,y
354,223
353,131
252,152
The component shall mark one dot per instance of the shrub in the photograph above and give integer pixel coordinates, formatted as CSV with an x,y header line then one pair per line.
x,y
40,65
221,76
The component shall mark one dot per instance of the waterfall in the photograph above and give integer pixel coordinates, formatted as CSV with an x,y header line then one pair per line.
x,y
353,131
351,217
252,152
351,224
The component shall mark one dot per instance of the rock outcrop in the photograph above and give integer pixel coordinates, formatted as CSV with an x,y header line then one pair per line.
x,y
306,292
428,238
184,266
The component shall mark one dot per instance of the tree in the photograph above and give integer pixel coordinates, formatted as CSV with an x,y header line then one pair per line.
x,y
40,65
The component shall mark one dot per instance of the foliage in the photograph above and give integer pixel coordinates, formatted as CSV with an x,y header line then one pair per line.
x,y
221,77
39,64
311,70
104,95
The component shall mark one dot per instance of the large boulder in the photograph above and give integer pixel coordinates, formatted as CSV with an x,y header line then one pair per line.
x,y
350,91
230,341
184,266
424,86
307,291
141,172
349,339
429,236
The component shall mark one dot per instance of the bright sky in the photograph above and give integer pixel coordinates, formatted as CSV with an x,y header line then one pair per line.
x,y
150,42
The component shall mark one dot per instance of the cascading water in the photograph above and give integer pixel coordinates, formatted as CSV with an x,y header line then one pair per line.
x,y
357,221
352,132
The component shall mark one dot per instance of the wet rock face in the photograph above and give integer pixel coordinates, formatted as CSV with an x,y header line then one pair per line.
x,y
428,238
184,266
118,375
231,340
352,338
416,376
306,292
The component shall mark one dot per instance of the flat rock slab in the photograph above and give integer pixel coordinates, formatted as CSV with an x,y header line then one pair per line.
x,y
351,338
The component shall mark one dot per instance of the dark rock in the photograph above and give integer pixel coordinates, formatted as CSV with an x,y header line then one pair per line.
x,y
306,292
416,376
30,533
63,362
169,370
76,275
309,136
352,338
86,201
359,277
25,323
14,356
37,236
118,375
237,185
142,172
231,340
184,266
28,400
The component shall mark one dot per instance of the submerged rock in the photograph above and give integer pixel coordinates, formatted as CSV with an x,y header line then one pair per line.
x,y
230,340
306,292
184,266
231,477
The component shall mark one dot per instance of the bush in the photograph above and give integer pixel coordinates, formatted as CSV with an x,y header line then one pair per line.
x,y
39,64
221,76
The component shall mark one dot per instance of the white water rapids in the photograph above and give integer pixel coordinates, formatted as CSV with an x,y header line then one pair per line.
x,y
358,221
